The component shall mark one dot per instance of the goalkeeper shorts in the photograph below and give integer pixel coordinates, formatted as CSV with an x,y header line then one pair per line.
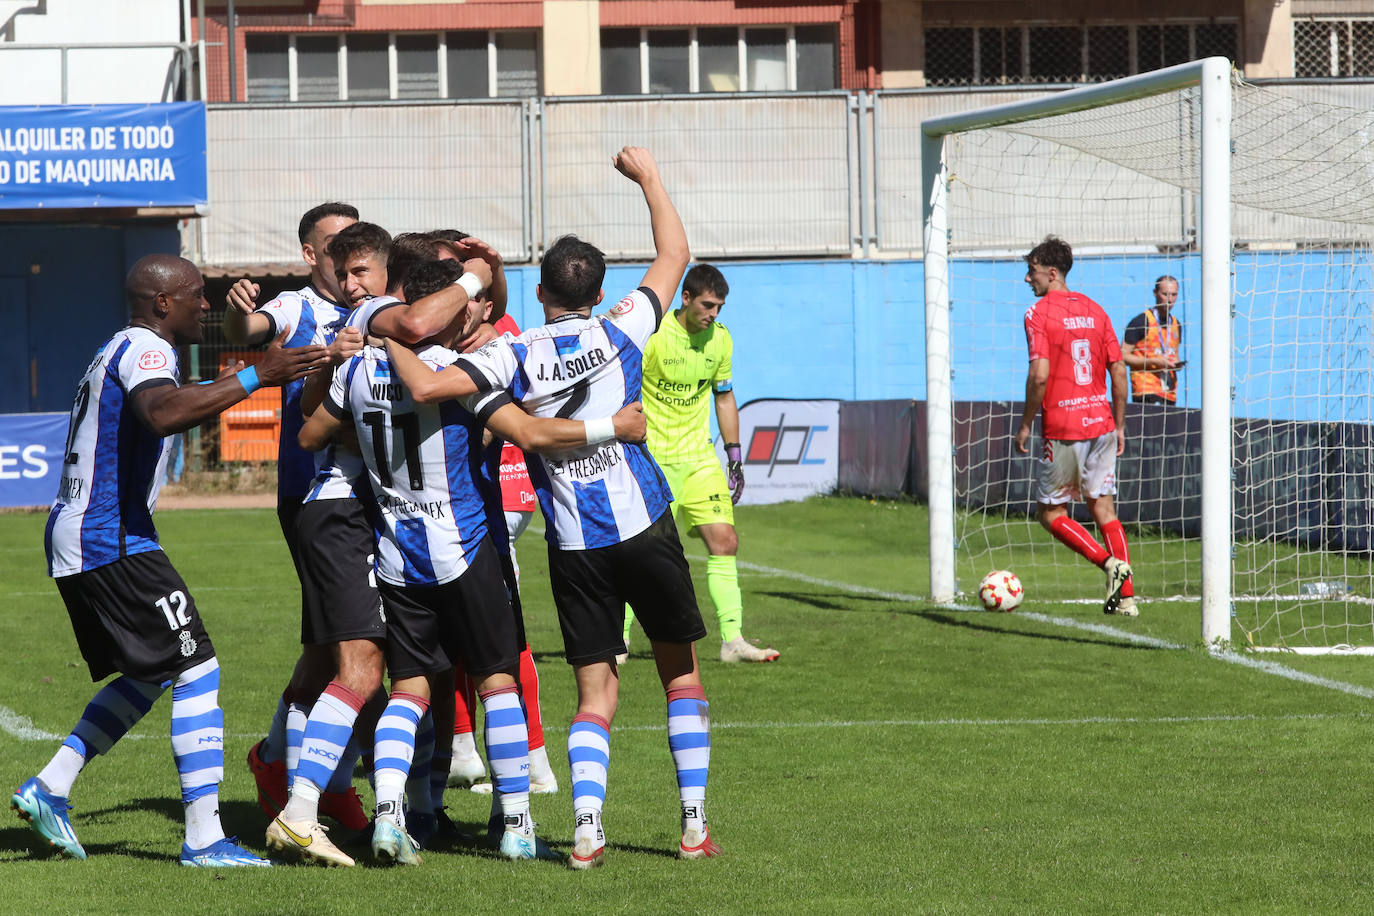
x,y
700,494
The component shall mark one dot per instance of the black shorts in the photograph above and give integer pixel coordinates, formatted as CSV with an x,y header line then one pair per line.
x,y
648,572
135,616
339,598
287,513
429,628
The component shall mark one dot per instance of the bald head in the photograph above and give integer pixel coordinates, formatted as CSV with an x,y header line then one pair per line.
x,y
153,274
167,293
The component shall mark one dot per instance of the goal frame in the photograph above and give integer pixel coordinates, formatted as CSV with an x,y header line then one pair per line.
x,y
1213,77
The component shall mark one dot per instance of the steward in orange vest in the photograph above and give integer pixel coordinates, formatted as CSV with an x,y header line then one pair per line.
x,y
1150,346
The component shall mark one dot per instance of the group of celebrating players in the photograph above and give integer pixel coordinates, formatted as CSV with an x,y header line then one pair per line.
x,y
399,390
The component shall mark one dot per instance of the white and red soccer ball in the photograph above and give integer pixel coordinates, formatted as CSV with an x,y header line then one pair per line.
x,y
1000,590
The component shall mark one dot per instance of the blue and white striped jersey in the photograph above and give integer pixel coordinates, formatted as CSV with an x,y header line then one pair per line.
x,y
114,465
337,468
582,368
313,319
425,464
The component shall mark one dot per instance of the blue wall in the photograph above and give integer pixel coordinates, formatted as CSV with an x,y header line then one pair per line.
x,y
855,330
62,289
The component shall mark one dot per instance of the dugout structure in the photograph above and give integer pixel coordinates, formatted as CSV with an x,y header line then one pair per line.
x,y
1251,496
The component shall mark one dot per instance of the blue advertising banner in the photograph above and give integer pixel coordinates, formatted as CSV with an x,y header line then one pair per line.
x,y
31,447
102,156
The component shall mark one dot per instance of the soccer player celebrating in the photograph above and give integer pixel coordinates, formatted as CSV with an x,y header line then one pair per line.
x,y
1071,342
130,610
611,535
317,314
685,358
440,576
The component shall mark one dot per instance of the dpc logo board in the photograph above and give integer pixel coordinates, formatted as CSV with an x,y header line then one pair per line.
x,y
790,449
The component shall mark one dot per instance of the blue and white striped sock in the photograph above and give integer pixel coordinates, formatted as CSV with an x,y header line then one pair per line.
x,y
114,710
198,746
394,747
508,752
342,780
689,739
589,758
297,714
273,746
327,735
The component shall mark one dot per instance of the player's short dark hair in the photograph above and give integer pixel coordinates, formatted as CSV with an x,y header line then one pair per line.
x,y
357,239
571,273
1052,252
407,250
430,276
315,214
704,278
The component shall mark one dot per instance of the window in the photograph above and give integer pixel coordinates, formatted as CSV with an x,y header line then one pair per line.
x,y
369,71
620,61
517,64
669,64
718,59
380,66
268,67
467,65
317,68
417,67
1024,54
1333,47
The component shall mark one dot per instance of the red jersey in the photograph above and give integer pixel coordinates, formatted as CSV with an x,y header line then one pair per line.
x,y
517,493
1076,336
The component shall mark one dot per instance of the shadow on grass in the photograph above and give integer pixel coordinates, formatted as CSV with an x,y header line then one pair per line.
x,y
839,602
944,617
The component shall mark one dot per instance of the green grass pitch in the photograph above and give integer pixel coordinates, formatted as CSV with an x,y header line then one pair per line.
x,y
901,757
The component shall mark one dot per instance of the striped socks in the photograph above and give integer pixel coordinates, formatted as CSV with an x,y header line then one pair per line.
x,y
114,710
323,747
508,753
589,758
198,746
394,747
689,740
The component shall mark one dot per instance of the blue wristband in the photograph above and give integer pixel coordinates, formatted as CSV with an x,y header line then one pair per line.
x,y
248,378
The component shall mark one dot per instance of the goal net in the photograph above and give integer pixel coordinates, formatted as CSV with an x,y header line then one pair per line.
x,y
1258,204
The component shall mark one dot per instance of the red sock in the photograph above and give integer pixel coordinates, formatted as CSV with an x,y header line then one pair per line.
x,y
1115,536
529,692
463,701
1077,539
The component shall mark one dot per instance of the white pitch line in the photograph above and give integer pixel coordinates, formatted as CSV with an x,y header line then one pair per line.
x,y
1231,657
23,729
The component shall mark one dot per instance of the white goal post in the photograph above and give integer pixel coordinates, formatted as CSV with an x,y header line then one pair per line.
x,y
1306,206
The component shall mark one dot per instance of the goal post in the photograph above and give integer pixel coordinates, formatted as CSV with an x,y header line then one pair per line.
x,y
1213,76
1253,497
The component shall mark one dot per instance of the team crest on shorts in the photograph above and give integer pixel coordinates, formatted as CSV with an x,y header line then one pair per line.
x,y
188,645
153,359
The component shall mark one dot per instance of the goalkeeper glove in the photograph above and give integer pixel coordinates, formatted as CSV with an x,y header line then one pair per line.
x,y
734,472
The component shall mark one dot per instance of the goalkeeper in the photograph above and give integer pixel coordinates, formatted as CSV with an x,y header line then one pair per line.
x,y
686,358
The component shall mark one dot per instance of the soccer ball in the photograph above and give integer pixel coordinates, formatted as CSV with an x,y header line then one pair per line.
x,y
1000,590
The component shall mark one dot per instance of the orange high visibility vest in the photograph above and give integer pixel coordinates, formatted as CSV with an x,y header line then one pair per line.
x,y
1156,342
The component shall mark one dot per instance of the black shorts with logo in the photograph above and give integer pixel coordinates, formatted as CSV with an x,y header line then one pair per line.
x,y
135,616
648,572
429,627
339,598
